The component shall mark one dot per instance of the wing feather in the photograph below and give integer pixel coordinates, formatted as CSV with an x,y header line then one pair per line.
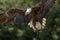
x,y
43,7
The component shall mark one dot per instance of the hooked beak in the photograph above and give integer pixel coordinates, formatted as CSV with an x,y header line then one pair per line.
x,y
26,13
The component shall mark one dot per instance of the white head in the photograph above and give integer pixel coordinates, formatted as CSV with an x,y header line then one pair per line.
x,y
28,11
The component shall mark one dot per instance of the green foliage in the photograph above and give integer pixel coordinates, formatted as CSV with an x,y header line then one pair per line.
x,y
23,32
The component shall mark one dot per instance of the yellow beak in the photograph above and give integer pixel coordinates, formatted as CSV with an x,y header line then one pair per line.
x,y
26,14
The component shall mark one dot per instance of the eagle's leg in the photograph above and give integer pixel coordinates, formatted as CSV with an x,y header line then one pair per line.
x,y
37,25
32,24
40,24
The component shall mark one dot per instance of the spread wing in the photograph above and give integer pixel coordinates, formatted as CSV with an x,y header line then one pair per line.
x,y
45,6
37,12
13,15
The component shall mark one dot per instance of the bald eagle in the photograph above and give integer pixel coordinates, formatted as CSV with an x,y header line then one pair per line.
x,y
34,17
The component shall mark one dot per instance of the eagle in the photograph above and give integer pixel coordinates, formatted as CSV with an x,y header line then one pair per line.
x,y
34,17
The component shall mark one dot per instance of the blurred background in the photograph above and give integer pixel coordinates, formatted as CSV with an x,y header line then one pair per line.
x,y
24,32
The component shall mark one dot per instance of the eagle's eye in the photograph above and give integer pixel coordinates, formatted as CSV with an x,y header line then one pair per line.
x,y
28,11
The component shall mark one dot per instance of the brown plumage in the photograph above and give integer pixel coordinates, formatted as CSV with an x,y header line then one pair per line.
x,y
3,18
13,15
36,16
39,12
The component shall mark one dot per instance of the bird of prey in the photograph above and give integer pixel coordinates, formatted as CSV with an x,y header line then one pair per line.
x,y
35,16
